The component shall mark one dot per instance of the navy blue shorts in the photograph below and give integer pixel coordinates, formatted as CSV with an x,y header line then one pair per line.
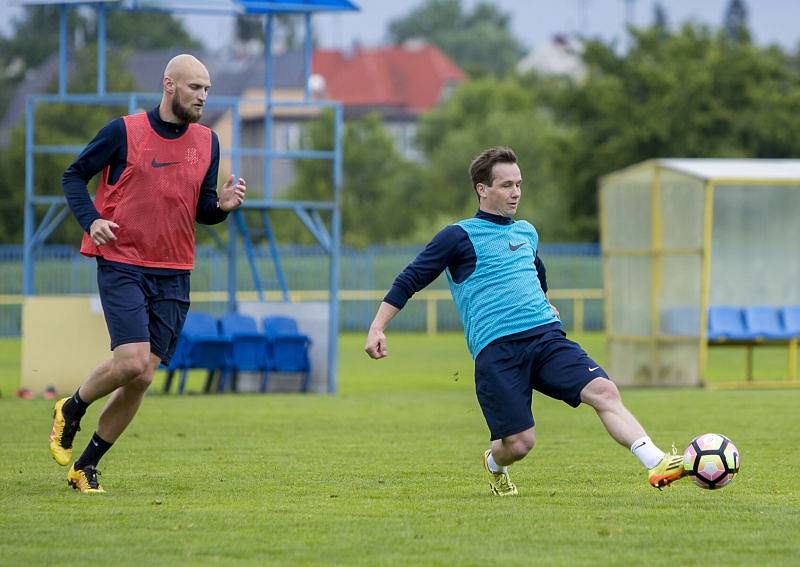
x,y
506,374
141,307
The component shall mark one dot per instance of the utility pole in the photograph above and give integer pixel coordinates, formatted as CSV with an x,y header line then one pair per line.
x,y
630,19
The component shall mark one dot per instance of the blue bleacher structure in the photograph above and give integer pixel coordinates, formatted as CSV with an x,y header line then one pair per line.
x,y
756,325
288,348
249,349
726,323
234,344
791,320
200,346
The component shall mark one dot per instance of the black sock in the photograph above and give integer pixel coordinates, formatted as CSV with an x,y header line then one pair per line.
x,y
94,451
75,407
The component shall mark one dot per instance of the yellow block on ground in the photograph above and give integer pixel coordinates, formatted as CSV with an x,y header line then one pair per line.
x,y
63,339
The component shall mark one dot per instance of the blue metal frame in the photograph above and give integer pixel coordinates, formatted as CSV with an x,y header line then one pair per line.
x,y
307,211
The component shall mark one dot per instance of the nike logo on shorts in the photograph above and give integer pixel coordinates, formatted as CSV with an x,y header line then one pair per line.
x,y
593,369
158,164
515,247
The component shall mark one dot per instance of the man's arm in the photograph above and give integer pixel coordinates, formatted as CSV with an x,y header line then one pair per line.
x,y
208,209
376,339
109,147
441,252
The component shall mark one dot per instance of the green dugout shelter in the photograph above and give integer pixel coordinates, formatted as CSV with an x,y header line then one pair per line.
x,y
681,235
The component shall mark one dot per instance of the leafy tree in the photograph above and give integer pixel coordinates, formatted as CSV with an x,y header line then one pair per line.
x,y
56,124
251,28
692,94
382,195
480,42
486,113
143,30
27,47
68,124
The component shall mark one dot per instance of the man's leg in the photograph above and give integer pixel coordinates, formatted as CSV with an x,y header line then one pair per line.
x,y
504,452
129,361
123,404
509,450
602,394
117,414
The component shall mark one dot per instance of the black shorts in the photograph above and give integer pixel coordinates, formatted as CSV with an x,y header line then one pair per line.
x,y
141,307
506,374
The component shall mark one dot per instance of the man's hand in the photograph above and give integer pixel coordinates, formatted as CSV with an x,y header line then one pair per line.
x,y
555,310
100,231
232,195
376,344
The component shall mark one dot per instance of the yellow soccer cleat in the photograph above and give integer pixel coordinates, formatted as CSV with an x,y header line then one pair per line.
x,y
499,483
84,480
667,471
62,435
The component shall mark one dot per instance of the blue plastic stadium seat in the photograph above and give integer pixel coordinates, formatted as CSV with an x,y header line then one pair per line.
x,y
727,323
791,320
199,346
764,322
288,349
248,347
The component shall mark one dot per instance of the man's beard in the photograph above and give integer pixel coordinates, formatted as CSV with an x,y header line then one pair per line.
x,y
185,114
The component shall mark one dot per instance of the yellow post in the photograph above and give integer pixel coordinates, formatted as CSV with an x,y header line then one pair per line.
x,y
656,247
705,283
577,317
432,315
793,359
605,248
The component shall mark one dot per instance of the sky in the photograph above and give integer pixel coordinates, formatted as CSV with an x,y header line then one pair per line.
x,y
533,21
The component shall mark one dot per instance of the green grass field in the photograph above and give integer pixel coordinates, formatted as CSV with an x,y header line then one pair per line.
x,y
388,472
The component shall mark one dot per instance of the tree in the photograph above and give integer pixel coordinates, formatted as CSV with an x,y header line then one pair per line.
x,y
382,195
480,42
68,124
56,124
27,47
140,30
691,94
251,28
735,22
487,113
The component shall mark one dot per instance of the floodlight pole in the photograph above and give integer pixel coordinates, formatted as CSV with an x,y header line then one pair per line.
x,y
336,236
307,52
232,228
27,251
269,25
62,49
101,49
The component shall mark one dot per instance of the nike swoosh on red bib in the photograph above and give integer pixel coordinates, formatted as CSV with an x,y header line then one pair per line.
x,y
157,164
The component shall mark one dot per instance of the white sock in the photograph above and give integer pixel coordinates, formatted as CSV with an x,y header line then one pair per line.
x,y
494,467
647,452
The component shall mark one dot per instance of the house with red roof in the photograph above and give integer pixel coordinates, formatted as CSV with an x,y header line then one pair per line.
x,y
401,82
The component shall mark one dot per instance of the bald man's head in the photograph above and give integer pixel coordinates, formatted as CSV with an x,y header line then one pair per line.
x,y
186,83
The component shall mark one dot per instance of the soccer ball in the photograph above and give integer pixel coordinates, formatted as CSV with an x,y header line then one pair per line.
x,y
711,460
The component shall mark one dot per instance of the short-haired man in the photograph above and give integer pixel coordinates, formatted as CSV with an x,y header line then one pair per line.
x,y
159,177
513,332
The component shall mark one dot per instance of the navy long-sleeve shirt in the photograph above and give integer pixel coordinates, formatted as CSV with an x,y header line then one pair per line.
x,y
451,248
110,148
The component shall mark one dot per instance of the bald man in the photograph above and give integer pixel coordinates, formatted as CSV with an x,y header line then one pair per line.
x,y
159,177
